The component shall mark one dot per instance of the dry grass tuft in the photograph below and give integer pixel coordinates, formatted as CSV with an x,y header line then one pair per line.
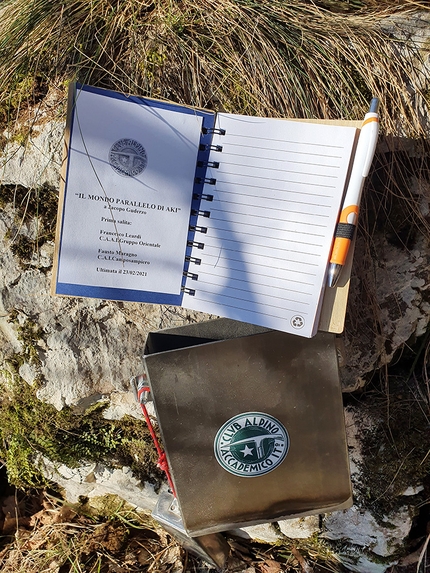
x,y
42,535
57,538
295,59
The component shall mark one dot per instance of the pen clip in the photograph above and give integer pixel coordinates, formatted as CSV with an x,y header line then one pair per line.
x,y
371,125
369,155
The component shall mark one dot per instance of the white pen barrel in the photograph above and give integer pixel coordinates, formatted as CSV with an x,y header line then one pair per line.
x,y
363,159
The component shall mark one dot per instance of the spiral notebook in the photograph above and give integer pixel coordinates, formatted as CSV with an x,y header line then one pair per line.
x,y
226,214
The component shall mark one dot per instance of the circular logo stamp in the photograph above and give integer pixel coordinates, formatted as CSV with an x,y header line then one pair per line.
x,y
128,157
297,321
251,444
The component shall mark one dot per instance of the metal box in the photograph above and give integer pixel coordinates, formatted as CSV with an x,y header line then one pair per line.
x,y
252,423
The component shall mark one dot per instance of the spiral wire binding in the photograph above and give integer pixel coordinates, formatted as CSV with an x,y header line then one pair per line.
x,y
207,180
211,130
201,197
213,164
198,229
196,244
194,260
197,212
190,275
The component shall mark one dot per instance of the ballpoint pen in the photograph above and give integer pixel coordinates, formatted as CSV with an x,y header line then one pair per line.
x,y
349,215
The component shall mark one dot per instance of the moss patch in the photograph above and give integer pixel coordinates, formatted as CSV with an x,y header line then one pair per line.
x,y
29,427
313,549
25,90
30,204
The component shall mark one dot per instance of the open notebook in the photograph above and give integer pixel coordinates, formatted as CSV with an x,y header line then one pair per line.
x,y
226,214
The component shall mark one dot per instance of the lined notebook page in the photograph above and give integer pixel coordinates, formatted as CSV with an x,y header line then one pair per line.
x,y
275,205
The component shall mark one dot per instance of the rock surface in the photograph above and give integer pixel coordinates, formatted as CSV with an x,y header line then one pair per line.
x,y
96,480
300,528
37,160
361,528
398,311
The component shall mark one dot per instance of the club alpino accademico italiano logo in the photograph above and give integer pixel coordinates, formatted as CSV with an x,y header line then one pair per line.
x,y
128,157
251,444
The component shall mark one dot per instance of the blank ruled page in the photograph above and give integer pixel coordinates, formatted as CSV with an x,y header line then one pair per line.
x,y
276,200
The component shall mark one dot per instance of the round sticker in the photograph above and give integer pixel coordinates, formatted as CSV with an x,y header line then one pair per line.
x,y
251,444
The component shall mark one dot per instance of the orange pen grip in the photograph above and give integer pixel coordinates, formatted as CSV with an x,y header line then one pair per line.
x,y
340,250
343,235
